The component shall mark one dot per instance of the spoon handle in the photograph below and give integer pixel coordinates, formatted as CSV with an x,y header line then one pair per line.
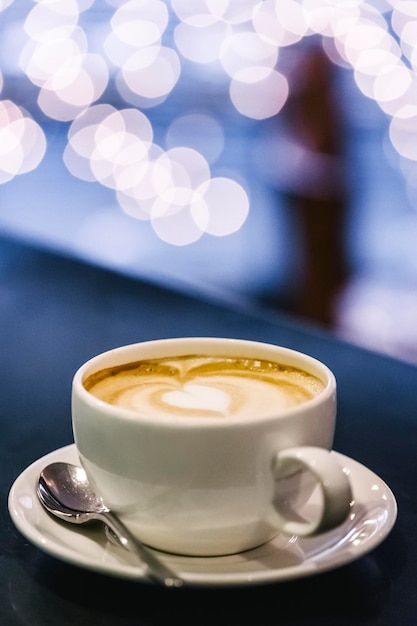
x,y
156,570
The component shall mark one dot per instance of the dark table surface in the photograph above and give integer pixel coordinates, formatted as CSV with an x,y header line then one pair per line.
x,y
54,314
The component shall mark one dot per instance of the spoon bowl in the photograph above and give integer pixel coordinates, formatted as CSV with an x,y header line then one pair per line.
x,y
64,491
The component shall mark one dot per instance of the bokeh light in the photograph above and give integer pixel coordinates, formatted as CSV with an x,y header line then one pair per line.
x,y
22,142
104,79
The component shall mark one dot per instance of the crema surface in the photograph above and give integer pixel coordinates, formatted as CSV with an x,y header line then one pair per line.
x,y
198,385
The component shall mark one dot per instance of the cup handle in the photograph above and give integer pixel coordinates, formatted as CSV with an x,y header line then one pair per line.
x,y
334,484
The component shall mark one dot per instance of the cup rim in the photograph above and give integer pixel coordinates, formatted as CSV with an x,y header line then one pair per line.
x,y
176,346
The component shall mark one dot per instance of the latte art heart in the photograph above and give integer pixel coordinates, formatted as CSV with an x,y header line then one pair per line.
x,y
197,385
193,396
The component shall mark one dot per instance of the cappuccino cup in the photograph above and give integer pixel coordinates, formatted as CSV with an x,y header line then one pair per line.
x,y
211,446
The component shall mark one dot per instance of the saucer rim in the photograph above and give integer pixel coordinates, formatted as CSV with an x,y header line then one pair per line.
x,y
45,534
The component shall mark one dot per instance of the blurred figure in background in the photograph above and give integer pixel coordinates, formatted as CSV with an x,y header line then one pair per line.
x,y
316,188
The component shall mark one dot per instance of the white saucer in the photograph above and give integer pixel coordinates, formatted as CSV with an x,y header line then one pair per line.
x,y
373,515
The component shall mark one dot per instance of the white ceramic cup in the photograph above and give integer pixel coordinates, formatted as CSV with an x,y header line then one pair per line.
x,y
211,486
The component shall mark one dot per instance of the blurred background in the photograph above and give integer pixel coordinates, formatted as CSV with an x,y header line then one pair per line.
x,y
260,152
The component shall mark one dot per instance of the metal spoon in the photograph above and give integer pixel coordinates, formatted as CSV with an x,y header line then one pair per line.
x,y
63,489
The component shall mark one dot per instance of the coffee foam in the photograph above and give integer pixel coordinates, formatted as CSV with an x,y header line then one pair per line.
x,y
195,385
